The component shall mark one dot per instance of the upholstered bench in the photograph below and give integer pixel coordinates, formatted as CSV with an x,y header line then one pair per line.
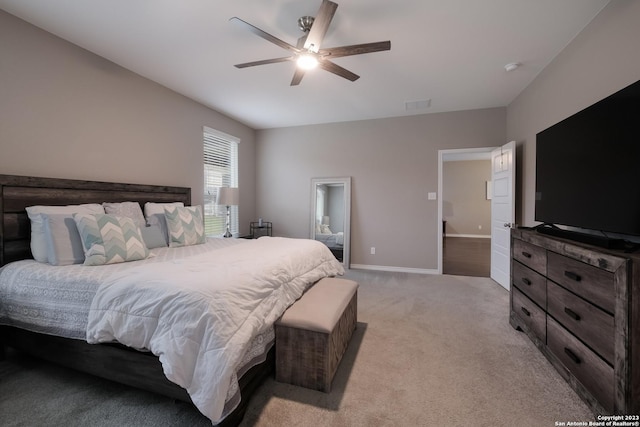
x,y
313,334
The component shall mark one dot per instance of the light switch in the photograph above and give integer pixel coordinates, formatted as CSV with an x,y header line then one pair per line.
x,y
431,196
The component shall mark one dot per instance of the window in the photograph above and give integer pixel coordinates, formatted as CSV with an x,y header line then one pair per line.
x,y
220,170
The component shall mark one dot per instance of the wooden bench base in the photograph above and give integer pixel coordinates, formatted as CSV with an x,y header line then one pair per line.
x,y
308,357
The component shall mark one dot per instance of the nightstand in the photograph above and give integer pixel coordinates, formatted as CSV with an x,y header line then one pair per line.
x,y
258,230
337,252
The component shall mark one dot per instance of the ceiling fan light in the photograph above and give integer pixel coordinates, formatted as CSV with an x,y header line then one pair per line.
x,y
307,62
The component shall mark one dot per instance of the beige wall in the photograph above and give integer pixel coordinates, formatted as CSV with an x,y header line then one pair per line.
x,y
601,60
67,113
393,164
465,206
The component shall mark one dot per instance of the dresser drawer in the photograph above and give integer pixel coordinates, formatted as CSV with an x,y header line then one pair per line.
x,y
592,325
530,283
530,255
530,314
587,367
591,283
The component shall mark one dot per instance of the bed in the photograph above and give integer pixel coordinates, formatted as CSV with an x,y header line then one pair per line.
x,y
252,357
333,240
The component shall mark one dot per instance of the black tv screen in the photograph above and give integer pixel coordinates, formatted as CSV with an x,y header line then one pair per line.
x,y
588,167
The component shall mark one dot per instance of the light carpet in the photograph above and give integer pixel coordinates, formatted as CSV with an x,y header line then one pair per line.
x,y
427,351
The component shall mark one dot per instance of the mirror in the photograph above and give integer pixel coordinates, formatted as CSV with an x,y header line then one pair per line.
x,y
331,215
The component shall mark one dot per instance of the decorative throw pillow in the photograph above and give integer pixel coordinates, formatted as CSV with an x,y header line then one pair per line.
x,y
153,237
154,213
63,240
185,225
126,209
109,239
39,246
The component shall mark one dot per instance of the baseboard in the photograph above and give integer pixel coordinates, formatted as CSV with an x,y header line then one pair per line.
x,y
477,236
393,269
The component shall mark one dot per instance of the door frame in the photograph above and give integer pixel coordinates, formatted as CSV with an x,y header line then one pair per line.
x,y
483,153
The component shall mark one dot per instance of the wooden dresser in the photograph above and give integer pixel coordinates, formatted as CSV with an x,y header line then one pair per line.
x,y
579,305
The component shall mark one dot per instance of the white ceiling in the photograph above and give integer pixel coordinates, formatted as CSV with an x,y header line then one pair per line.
x,y
451,52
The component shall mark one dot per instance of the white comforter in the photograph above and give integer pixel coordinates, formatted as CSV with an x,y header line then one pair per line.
x,y
198,314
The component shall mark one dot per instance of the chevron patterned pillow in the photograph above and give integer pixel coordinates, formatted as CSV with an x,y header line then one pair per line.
x,y
185,224
109,239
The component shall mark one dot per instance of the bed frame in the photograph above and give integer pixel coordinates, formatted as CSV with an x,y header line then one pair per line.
x,y
111,361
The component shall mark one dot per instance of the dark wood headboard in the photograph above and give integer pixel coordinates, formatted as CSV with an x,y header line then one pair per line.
x,y
18,192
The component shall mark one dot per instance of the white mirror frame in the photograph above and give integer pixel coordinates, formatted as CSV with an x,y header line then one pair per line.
x,y
346,181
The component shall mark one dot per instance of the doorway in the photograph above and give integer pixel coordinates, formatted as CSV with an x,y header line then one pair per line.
x,y
466,256
464,212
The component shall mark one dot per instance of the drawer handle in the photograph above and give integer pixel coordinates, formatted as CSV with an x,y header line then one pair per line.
x,y
571,313
526,254
573,276
525,311
572,356
526,281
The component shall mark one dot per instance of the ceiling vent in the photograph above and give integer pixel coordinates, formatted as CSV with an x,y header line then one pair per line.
x,y
417,105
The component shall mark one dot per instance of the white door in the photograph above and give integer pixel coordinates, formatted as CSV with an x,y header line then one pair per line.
x,y
503,211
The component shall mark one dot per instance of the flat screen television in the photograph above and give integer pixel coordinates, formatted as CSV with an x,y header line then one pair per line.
x,y
588,168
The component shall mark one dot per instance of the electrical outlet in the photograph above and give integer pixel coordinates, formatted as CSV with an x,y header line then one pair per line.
x,y
479,227
373,250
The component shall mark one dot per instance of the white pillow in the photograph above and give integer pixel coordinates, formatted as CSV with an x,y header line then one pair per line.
x,y
126,209
151,208
39,246
154,213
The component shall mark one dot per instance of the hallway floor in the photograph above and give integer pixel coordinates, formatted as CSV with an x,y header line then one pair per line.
x,y
466,256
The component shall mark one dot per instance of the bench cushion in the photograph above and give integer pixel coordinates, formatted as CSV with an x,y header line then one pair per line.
x,y
320,308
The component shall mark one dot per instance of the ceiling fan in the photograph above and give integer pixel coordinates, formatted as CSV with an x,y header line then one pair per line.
x,y
307,52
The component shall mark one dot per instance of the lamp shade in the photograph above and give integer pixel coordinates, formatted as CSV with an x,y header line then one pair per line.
x,y
228,196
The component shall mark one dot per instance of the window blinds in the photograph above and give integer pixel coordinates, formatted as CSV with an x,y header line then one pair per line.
x,y
220,170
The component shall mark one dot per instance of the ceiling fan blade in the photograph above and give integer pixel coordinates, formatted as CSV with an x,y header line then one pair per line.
x,y
264,62
301,40
320,25
356,49
337,70
297,77
257,31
